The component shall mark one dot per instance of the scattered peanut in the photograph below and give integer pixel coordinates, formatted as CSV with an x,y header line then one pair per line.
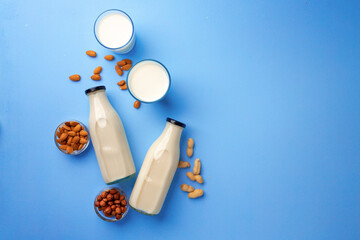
x,y
136,104
196,193
199,178
91,53
197,166
183,164
190,147
75,77
96,77
128,61
191,176
98,70
109,57
187,188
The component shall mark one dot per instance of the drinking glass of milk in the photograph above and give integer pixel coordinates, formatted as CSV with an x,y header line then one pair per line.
x,y
114,30
148,81
157,170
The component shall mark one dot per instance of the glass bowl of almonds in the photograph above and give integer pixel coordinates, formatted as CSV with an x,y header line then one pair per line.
x,y
72,137
111,204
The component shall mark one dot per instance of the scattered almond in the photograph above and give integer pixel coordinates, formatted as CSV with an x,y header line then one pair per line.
x,y
98,70
91,53
96,77
121,63
126,67
75,77
122,82
118,70
136,104
109,57
128,61
123,87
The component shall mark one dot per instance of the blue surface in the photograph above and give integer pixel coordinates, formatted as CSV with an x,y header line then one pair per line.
x,y
269,91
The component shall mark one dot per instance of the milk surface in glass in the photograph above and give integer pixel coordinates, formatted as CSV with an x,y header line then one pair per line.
x,y
157,170
148,81
109,138
114,30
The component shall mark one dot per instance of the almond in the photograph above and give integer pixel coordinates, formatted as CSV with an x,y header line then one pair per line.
x,y
73,123
126,67
69,149
63,137
121,63
83,141
63,147
122,82
69,140
136,104
58,134
96,77
71,133
83,133
109,57
75,77
81,146
77,128
118,70
123,87
66,127
97,70
75,139
128,61
91,53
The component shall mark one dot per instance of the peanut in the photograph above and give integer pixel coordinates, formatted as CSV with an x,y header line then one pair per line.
x,y
109,57
183,164
118,70
191,176
126,67
190,147
197,166
121,63
199,178
98,70
91,53
75,77
196,193
136,104
96,77
122,82
187,188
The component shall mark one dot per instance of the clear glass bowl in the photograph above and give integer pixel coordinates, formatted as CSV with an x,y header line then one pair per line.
x,y
77,152
102,215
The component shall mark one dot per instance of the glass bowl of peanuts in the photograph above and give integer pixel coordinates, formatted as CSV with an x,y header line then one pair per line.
x,y
111,204
72,137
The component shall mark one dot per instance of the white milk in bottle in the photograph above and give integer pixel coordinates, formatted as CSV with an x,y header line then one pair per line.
x,y
157,170
109,138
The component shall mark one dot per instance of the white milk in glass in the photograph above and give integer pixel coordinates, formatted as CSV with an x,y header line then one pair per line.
x,y
108,138
114,30
157,170
148,81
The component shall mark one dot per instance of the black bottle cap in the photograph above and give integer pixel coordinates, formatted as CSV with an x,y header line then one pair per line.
x,y
173,121
94,89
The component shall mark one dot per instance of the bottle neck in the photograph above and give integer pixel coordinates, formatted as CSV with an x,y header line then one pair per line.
x,y
172,133
98,101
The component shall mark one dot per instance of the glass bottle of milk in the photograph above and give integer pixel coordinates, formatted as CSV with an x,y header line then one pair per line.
x,y
157,170
108,138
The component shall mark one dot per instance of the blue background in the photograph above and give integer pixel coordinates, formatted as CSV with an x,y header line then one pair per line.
x,y
269,91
